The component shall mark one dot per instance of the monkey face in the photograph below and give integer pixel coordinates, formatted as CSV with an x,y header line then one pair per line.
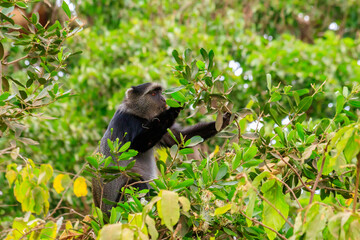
x,y
145,100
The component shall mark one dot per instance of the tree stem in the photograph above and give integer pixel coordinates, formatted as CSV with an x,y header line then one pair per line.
x,y
318,175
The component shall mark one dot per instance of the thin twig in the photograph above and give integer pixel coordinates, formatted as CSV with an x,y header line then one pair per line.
x,y
289,188
319,174
139,182
15,61
263,225
294,170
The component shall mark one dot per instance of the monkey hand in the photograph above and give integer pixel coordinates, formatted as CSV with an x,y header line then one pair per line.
x,y
165,119
174,112
226,120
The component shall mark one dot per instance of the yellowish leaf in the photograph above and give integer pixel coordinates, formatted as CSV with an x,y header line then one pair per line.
x,y
222,210
46,172
80,187
152,227
68,225
168,208
137,220
121,231
15,153
57,183
185,203
162,154
214,152
11,176
349,201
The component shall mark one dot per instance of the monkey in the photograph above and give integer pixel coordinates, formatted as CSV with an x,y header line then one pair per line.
x,y
143,119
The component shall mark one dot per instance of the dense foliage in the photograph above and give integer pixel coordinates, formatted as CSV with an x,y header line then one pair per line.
x,y
286,168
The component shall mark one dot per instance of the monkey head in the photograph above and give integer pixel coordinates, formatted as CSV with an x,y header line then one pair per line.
x,y
145,100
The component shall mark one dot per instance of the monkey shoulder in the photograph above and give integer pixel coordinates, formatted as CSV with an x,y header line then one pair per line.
x,y
125,126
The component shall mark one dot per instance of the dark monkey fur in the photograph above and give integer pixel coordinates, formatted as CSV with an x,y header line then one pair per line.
x,y
144,118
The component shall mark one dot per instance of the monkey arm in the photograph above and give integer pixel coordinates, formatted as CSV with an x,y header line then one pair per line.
x,y
154,130
203,129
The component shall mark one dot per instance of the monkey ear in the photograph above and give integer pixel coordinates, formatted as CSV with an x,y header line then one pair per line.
x,y
129,93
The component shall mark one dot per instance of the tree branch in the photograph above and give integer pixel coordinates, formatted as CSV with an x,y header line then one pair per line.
x,y
319,174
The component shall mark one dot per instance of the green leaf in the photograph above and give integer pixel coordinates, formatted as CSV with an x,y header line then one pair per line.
x,y
339,103
305,104
211,59
268,81
49,231
184,184
127,155
222,172
4,96
275,97
229,232
200,65
35,18
42,81
186,151
296,98
172,103
272,191
204,54
205,176
300,131
237,160
352,149
29,82
178,96
172,90
250,206
66,9
250,153
354,103
316,218
302,92
187,55
176,57
125,147
194,141
93,162
281,135
345,92
21,5
252,163
208,81
275,116
130,165
110,144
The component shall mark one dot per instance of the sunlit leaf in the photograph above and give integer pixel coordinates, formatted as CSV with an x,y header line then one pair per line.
x,y
80,187
168,208
222,210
